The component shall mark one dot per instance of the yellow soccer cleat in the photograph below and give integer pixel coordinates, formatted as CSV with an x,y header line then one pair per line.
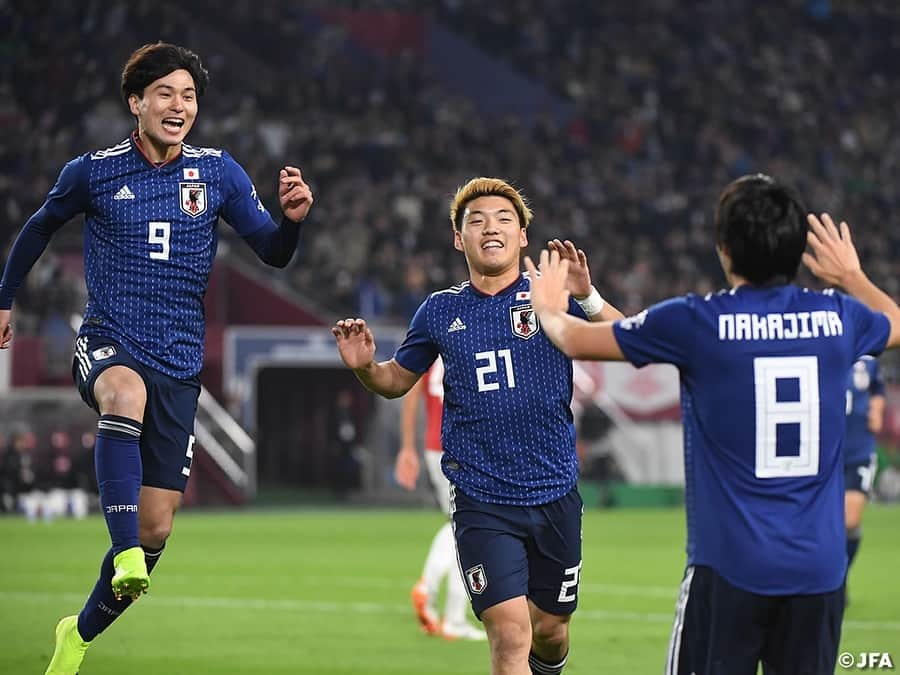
x,y
131,578
70,648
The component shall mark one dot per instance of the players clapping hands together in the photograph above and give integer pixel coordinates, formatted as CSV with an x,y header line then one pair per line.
x,y
766,545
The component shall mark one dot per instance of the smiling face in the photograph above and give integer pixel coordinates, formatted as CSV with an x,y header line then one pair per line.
x,y
165,113
491,237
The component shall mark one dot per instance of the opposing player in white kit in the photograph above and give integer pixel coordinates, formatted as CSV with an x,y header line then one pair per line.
x,y
441,560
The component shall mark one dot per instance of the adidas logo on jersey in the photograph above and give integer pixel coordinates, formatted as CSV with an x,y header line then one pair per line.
x,y
456,325
124,193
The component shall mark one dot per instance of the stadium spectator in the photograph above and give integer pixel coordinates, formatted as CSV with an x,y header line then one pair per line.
x,y
20,475
658,116
66,493
763,370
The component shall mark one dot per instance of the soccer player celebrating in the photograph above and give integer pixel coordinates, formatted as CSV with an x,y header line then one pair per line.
x,y
865,416
763,370
440,563
508,437
152,204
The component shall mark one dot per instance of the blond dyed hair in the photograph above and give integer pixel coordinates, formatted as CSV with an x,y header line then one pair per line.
x,y
488,187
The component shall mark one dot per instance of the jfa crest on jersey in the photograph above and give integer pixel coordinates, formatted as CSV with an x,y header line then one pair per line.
x,y
763,379
193,198
524,321
149,243
508,435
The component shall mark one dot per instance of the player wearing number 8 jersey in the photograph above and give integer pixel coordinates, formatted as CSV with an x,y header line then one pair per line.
x,y
151,206
508,437
763,368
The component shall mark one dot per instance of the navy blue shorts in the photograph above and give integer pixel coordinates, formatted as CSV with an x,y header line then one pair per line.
x,y
167,440
723,630
511,551
860,476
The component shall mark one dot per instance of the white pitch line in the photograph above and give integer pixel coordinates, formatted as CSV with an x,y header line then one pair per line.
x,y
264,604
615,590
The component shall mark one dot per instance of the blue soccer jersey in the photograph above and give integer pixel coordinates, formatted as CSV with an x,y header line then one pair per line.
x,y
508,435
763,374
150,238
863,382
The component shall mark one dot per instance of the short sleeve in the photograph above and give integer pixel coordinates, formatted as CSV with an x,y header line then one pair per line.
x,y
871,330
417,351
664,333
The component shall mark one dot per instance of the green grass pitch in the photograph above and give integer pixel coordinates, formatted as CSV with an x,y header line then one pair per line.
x,y
326,591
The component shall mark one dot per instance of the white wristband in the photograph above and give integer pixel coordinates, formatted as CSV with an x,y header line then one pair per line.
x,y
593,304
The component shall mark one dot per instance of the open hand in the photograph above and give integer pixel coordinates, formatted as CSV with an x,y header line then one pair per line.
x,y
355,342
835,255
548,289
579,279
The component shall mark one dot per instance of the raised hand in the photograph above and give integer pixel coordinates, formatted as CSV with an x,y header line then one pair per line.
x,y
548,290
6,331
355,343
295,196
579,279
835,256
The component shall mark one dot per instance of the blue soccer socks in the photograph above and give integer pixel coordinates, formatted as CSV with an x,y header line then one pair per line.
x,y
117,458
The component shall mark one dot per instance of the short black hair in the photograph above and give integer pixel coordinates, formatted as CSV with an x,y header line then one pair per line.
x,y
155,60
761,224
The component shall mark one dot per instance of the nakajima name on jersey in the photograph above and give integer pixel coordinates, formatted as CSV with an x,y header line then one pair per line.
x,y
780,326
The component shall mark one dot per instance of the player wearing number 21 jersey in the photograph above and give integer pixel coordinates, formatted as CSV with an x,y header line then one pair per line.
x,y
763,368
507,437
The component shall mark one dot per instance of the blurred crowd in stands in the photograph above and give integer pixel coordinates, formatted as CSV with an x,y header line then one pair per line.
x,y
47,475
667,101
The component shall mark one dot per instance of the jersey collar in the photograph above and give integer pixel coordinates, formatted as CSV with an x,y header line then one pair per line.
x,y
135,141
503,291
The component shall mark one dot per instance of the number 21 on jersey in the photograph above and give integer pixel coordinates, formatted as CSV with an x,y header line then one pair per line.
x,y
787,416
489,378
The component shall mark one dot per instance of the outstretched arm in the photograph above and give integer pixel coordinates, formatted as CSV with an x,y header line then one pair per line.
x,y
578,282
406,466
576,338
835,261
356,345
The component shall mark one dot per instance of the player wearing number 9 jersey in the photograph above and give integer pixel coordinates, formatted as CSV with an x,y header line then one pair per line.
x,y
508,437
151,205
763,368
